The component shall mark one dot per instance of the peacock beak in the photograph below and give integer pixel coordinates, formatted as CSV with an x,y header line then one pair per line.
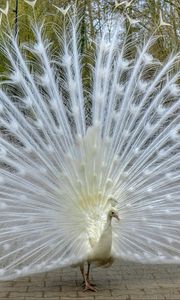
x,y
116,216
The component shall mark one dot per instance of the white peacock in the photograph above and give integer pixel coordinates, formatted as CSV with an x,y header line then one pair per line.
x,y
69,165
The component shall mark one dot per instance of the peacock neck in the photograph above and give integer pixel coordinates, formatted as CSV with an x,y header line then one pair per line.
x,y
108,223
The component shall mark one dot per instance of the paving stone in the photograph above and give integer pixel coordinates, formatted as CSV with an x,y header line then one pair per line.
x,y
77,298
3,294
19,284
172,297
6,283
67,288
13,288
29,294
49,295
44,289
100,292
148,297
32,298
120,297
128,291
69,293
16,295
123,281
52,283
16,298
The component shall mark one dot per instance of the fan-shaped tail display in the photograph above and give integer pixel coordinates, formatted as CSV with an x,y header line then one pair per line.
x,y
63,155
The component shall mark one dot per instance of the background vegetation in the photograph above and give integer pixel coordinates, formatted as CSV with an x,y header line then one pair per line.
x,y
149,16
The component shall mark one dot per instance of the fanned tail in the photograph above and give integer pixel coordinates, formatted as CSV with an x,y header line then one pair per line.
x,y
137,103
56,175
38,230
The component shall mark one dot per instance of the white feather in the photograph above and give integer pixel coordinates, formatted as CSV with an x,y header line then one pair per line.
x,y
61,162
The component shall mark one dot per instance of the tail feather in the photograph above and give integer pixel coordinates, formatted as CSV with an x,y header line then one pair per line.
x,y
57,171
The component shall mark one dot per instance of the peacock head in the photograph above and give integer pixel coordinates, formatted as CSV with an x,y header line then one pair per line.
x,y
113,213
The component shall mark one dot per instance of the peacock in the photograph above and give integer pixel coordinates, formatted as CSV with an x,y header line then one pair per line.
x,y
87,174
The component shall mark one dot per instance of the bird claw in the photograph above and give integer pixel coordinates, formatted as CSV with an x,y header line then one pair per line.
x,y
92,284
89,287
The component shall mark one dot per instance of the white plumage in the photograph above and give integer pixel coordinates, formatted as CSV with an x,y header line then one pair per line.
x,y
64,158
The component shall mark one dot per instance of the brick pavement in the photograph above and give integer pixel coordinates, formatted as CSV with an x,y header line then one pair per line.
x,y
123,281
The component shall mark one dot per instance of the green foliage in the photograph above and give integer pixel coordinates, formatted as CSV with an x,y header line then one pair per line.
x,y
141,17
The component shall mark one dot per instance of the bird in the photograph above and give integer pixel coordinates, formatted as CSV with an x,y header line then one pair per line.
x,y
100,240
88,174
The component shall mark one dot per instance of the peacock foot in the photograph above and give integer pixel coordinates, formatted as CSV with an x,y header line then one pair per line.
x,y
89,287
92,284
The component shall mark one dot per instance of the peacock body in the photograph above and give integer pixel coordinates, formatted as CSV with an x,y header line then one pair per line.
x,y
68,160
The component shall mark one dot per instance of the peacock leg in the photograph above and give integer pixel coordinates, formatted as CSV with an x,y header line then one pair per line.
x,y
87,275
83,274
88,271
87,285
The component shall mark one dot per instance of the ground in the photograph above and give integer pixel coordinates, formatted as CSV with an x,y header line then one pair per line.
x,y
123,281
